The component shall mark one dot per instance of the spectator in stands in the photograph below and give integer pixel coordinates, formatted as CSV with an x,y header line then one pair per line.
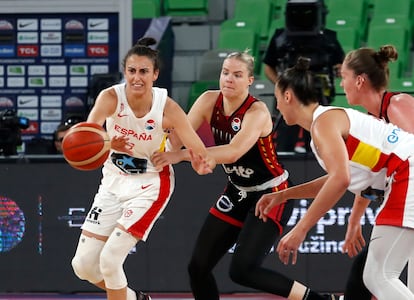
x,y
304,35
58,136
61,131
41,145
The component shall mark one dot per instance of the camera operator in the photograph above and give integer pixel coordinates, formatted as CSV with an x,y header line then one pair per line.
x,y
304,35
10,131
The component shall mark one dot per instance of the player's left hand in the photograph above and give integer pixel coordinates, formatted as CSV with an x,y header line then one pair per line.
x,y
120,144
354,240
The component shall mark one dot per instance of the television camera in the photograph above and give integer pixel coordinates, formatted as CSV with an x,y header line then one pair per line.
x,y
304,36
10,131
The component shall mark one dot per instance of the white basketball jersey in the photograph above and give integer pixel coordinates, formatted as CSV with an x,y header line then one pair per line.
x,y
375,148
146,134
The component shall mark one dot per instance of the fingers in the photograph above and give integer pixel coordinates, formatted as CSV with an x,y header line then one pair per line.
x,y
258,211
199,163
157,160
288,246
294,256
261,209
286,254
191,152
354,243
362,241
352,249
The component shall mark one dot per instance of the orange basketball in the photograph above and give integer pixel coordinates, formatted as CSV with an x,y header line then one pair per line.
x,y
86,146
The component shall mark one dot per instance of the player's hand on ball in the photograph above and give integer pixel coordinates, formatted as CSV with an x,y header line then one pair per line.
x,y
120,144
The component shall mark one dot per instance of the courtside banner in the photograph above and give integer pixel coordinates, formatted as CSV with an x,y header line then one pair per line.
x,y
49,51
43,202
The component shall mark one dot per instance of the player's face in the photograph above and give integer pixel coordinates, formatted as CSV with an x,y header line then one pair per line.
x,y
281,104
139,73
285,105
348,83
234,78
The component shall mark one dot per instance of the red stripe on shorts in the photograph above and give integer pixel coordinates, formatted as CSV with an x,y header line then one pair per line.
x,y
139,228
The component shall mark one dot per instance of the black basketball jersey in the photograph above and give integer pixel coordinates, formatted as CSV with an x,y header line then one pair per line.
x,y
260,163
386,98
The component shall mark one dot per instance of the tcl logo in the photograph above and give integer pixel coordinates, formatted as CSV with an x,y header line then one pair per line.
x,y
32,129
28,50
101,50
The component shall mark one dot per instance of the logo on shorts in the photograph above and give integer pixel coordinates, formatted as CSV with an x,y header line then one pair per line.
x,y
224,204
145,186
94,215
128,213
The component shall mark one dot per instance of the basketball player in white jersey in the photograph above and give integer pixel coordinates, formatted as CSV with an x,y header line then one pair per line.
x,y
357,151
133,193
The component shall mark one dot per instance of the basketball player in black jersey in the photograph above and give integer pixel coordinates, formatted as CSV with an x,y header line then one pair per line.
x,y
243,130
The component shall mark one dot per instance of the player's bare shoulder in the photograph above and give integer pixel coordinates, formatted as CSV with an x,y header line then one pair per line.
x,y
207,99
259,107
210,95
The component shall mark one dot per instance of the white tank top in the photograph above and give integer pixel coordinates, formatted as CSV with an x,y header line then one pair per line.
x,y
146,134
375,149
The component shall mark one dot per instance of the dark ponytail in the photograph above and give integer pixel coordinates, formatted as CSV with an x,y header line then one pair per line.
x,y
142,48
302,81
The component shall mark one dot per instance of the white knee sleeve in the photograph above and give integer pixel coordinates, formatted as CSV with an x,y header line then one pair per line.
x,y
113,256
85,263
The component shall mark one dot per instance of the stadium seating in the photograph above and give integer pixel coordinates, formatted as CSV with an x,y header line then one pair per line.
x,y
186,11
397,36
264,90
357,23
240,34
341,14
338,88
211,63
348,37
393,13
261,10
280,7
402,84
341,101
199,87
393,8
142,9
